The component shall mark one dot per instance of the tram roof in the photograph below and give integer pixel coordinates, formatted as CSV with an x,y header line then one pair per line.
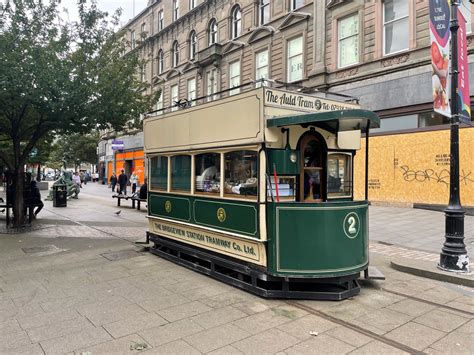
x,y
332,121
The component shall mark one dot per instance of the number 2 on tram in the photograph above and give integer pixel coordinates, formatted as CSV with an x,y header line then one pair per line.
x,y
257,190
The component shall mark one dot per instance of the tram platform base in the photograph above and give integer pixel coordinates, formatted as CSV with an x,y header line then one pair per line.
x,y
253,278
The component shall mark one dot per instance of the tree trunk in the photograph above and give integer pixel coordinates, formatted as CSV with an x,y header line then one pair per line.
x,y
38,173
17,195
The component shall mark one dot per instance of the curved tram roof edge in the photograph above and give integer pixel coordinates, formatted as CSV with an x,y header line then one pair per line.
x,y
332,121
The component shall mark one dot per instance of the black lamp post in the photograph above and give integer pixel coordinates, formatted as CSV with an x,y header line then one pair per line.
x,y
453,255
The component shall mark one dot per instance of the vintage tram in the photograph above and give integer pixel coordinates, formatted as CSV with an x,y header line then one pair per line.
x,y
257,190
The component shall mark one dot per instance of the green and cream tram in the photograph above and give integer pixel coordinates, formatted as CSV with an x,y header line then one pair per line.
x,y
257,190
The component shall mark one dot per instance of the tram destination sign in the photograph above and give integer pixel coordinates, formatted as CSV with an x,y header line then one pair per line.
x,y
300,102
241,249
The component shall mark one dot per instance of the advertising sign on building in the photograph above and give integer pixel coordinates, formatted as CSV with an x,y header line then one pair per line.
x,y
117,145
440,40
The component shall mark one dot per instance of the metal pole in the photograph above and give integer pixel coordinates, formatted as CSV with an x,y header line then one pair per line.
x,y
453,255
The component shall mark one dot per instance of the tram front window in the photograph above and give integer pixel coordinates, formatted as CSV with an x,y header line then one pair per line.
x,y
339,175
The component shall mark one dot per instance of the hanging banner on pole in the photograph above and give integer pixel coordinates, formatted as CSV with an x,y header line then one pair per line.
x,y
440,39
464,100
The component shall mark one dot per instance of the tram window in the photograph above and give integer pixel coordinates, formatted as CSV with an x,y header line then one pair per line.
x,y
159,173
339,175
241,173
181,173
207,172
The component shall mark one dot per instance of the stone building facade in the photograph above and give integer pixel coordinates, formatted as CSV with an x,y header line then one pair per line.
x,y
375,50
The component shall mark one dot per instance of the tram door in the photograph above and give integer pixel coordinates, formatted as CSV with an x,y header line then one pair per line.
x,y
312,174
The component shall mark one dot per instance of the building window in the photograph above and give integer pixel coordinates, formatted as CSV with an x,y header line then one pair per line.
x,y
159,103
192,4
192,45
295,59
161,62
211,84
234,76
236,27
181,173
175,54
132,39
207,170
395,26
261,67
263,11
159,173
212,32
348,40
174,98
143,34
160,20
175,10
191,91
294,4
142,73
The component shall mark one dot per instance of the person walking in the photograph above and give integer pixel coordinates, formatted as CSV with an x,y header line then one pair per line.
x,y
122,180
77,179
134,181
113,182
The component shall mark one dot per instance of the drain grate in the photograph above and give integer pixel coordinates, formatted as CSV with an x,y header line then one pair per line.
x,y
121,255
43,250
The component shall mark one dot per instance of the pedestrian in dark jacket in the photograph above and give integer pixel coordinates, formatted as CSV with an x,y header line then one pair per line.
x,y
113,182
34,199
143,191
122,180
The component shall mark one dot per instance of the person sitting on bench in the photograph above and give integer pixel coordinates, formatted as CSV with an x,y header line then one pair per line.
x,y
34,199
142,194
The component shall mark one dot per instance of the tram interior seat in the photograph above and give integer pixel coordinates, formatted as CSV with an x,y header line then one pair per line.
x,y
208,179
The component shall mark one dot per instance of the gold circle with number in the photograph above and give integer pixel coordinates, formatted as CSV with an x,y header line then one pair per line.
x,y
221,216
168,206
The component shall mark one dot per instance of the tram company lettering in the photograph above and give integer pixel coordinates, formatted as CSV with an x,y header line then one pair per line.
x,y
304,102
230,245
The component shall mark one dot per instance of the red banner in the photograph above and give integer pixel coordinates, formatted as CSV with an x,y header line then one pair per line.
x,y
463,97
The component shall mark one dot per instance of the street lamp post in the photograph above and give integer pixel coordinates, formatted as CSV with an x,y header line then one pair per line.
x,y
453,255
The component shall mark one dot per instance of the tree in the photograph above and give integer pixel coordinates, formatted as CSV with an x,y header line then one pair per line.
x,y
75,149
57,78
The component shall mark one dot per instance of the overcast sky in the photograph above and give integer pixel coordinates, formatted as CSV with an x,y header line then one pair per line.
x,y
110,6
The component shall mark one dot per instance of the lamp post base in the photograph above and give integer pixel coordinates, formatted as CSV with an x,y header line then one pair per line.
x,y
453,256
454,263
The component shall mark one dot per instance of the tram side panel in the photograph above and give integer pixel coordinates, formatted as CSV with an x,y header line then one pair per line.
x,y
317,240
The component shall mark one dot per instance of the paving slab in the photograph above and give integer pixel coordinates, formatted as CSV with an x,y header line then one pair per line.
x,y
302,328
269,342
219,316
134,324
170,332
441,320
131,344
173,348
215,338
185,310
415,335
321,343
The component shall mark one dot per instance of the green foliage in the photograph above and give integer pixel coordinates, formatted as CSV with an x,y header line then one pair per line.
x,y
74,149
58,78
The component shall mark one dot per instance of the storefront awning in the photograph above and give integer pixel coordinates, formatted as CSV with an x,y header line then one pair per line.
x,y
332,121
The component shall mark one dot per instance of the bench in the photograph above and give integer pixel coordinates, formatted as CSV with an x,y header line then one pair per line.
x,y
137,200
121,197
